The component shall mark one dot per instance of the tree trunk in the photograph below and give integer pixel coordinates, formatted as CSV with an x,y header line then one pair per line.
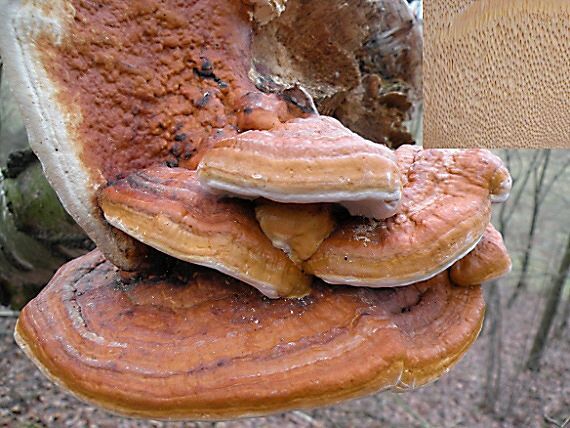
x,y
538,190
563,318
36,234
494,367
549,313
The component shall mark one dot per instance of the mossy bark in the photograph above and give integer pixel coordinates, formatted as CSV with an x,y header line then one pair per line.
x,y
36,233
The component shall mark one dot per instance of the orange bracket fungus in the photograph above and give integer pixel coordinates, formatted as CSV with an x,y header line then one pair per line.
x,y
307,160
446,206
294,228
489,260
157,123
209,347
168,209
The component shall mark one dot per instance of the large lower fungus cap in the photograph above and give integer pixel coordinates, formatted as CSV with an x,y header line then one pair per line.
x,y
168,209
446,207
306,160
488,261
200,345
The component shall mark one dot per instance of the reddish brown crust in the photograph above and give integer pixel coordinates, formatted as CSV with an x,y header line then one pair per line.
x,y
200,345
489,260
154,81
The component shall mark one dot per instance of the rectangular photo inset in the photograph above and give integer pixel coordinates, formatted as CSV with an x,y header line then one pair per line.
x,y
496,73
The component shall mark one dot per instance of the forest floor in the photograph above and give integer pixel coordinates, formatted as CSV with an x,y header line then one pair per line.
x,y
526,399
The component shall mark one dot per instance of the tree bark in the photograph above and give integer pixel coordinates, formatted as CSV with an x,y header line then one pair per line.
x,y
494,367
563,318
549,313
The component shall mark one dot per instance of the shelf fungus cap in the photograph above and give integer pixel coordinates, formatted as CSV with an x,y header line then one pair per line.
x,y
488,261
168,209
306,160
209,347
445,209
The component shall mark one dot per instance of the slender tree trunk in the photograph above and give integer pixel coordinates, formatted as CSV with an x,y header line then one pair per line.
x,y
549,313
563,318
494,367
538,190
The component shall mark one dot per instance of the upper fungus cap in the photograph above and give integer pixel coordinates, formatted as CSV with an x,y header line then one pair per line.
x,y
198,345
306,160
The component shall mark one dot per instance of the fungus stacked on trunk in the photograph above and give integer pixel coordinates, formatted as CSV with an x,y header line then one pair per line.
x,y
153,135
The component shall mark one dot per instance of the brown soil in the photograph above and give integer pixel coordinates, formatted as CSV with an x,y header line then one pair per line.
x,y
28,400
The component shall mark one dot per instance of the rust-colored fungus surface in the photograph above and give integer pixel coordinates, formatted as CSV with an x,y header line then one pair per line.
x,y
200,345
168,209
446,206
152,81
489,260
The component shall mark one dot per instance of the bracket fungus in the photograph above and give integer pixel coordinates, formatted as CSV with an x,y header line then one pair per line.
x,y
306,160
297,229
489,260
143,112
168,209
440,188
209,347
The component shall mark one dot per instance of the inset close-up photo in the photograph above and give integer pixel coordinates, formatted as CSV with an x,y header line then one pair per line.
x,y
496,73
226,213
